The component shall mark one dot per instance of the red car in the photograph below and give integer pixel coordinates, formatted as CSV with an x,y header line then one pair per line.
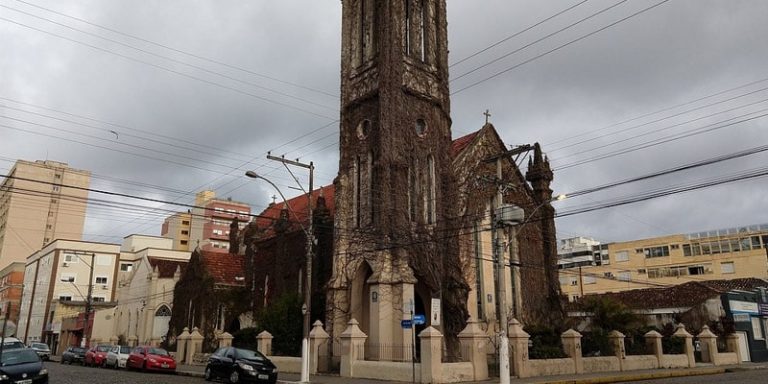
x,y
96,355
148,358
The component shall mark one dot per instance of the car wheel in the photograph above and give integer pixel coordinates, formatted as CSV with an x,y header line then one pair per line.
x,y
208,374
234,377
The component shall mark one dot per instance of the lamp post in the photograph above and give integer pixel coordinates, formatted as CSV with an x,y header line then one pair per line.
x,y
308,232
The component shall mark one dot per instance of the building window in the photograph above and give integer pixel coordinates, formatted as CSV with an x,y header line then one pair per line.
x,y
65,298
69,258
757,329
622,256
727,268
183,242
185,222
656,251
126,267
98,299
101,280
185,232
69,277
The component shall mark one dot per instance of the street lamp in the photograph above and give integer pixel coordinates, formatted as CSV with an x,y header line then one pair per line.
x,y
305,309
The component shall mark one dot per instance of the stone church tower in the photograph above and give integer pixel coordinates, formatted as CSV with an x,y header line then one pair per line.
x,y
395,177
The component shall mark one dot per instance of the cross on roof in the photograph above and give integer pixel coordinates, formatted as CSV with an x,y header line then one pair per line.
x,y
487,114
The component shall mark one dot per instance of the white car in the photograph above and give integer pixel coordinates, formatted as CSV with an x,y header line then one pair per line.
x,y
117,356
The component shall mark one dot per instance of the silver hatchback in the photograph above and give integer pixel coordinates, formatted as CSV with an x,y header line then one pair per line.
x,y
117,356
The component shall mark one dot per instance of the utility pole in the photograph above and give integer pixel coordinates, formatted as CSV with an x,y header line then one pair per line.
x,y
306,308
88,302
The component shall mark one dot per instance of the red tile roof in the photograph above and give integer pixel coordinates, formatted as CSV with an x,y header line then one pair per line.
x,y
460,144
678,296
298,205
167,267
225,268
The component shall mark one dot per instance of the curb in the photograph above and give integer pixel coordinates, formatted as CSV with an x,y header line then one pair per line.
x,y
190,374
638,376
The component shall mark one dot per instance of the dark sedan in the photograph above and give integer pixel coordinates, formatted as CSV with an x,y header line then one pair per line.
x,y
73,355
240,365
22,366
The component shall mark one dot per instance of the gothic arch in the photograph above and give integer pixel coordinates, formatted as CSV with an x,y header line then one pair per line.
x,y
361,296
161,321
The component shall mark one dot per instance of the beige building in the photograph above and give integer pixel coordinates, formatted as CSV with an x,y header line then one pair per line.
x,y
40,201
670,260
178,227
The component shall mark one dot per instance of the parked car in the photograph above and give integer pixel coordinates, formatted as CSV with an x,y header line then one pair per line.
x,y
73,355
22,365
148,358
96,355
117,356
42,350
240,365
12,343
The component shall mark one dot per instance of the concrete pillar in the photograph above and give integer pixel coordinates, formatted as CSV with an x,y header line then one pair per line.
x,y
473,341
708,346
572,346
133,341
732,344
318,349
181,345
155,341
617,341
688,343
653,342
224,339
518,349
114,340
194,346
264,343
431,355
352,348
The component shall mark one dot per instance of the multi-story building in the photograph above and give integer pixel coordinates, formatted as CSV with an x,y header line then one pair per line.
x,y
662,261
177,227
40,201
61,273
11,282
210,221
578,252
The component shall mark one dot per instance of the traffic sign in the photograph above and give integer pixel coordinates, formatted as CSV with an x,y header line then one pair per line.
x,y
406,324
419,320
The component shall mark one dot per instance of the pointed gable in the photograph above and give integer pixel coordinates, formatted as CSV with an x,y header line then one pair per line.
x,y
224,268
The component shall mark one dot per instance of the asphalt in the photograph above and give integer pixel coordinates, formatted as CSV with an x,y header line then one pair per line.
x,y
595,378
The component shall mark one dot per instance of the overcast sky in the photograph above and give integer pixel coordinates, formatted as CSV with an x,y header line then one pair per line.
x,y
164,98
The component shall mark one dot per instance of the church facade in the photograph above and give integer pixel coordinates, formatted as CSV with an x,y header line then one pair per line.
x,y
413,206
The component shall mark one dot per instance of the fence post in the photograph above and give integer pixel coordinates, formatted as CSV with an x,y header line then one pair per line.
x,y
224,339
431,355
653,341
732,343
264,343
352,347
617,341
181,345
708,346
688,346
195,345
318,340
572,345
133,340
518,349
473,342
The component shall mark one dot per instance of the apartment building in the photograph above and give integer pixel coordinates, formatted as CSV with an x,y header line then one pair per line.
x,y
579,251
729,253
177,227
11,282
210,221
40,201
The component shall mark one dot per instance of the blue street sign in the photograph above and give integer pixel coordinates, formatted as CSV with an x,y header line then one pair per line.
x,y
419,319
406,324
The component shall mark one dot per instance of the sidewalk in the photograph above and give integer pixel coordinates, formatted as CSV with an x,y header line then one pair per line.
x,y
595,378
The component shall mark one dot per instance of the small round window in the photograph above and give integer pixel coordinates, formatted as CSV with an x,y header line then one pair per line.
x,y
363,129
421,127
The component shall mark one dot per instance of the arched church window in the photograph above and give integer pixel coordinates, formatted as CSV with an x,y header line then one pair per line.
x,y
358,193
163,311
415,33
421,127
371,180
363,129
366,17
429,196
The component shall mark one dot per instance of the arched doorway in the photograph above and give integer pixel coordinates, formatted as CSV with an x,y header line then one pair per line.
x,y
162,322
360,303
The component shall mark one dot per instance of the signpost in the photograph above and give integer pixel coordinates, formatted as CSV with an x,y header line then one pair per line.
x,y
419,320
406,324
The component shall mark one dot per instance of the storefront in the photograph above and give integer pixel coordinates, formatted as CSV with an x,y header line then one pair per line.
x,y
749,313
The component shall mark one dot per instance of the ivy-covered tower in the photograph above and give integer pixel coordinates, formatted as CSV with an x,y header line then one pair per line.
x,y
395,176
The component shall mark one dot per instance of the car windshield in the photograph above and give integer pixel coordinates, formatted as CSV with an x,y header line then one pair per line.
x,y
125,350
19,356
247,354
13,345
78,350
102,348
40,346
157,351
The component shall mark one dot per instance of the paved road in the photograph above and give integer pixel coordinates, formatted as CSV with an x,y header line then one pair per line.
x,y
75,374
747,377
